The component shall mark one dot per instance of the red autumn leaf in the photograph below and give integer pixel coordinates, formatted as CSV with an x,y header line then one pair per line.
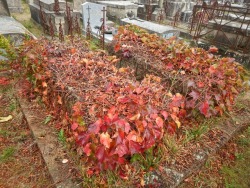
x,y
4,81
105,139
158,133
121,160
149,142
74,126
83,138
86,149
117,47
100,153
90,172
132,136
112,110
77,109
204,108
121,150
124,125
171,128
72,50
159,122
212,69
213,49
123,99
134,147
165,114
182,113
147,134
110,118
154,116
170,66
200,84
95,127
126,53
123,175
120,136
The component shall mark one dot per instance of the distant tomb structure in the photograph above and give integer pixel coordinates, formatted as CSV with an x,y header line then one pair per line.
x,y
15,6
173,6
161,30
56,13
119,9
223,25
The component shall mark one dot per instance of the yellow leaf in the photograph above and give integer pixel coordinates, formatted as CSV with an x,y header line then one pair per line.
x,y
135,117
4,119
144,39
142,182
178,123
122,70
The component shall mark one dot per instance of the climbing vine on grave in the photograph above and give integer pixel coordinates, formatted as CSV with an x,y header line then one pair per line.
x,y
209,82
106,112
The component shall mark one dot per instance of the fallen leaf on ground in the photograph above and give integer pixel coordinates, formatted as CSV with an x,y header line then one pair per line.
x,y
4,119
65,161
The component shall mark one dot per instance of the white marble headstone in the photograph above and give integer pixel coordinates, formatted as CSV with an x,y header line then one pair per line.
x,y
95,14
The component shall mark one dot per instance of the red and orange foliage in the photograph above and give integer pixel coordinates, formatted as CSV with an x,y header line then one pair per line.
x,y
210,83
109,114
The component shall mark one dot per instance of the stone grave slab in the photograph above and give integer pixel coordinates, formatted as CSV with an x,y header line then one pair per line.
x,y
161,30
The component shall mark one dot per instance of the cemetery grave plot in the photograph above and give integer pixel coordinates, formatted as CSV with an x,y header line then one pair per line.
x,y
113,132
115,119
205,79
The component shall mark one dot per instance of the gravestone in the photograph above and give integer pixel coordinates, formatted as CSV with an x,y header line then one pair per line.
x,y
95,13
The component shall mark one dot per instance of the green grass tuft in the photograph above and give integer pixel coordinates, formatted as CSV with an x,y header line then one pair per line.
x,y
7,154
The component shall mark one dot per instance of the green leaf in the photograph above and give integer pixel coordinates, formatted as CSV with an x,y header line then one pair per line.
x,y
135,157
47,119
61,137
